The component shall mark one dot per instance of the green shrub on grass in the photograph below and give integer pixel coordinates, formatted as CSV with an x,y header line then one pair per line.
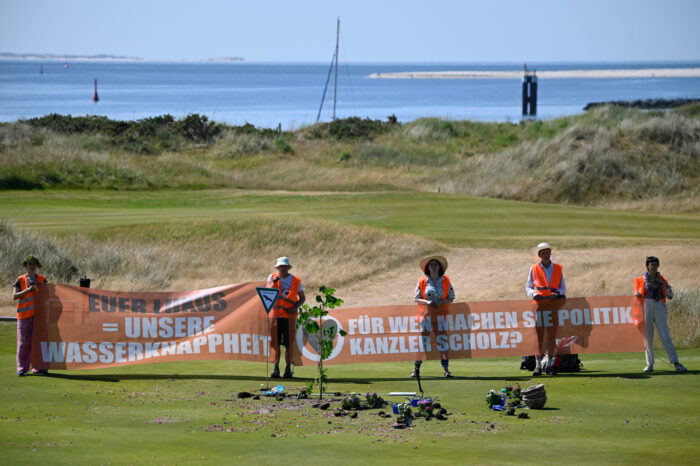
x,y
197,128
283,146
356,127
145,136
17,181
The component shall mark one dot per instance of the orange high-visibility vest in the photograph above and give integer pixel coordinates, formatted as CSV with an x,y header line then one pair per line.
x,y
639,287
27,303
539,279
284,303
445,286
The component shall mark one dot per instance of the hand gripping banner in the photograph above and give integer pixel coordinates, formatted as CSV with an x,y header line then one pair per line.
x,y
81,328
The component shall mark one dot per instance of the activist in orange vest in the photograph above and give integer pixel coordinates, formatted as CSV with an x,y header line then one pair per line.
x,y
653,289
435,292
545,282
284,314
25,293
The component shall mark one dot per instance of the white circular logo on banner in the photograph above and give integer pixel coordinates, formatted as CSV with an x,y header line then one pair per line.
x,y
308,354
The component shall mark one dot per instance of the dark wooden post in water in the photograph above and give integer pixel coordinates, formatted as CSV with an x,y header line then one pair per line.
x,y
95,97
530,92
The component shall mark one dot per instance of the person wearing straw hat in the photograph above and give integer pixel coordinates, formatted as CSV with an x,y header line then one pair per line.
x,y
284,314
545,282
25,292
435,292
653,288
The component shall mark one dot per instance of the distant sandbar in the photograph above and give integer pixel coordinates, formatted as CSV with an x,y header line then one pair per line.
x,y
560,74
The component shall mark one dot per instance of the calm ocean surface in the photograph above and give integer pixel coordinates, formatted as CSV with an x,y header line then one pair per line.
x,y
290,94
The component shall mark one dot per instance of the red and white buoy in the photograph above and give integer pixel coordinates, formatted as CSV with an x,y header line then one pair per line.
x,y
95,97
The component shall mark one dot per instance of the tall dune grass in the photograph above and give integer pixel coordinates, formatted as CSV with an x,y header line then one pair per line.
x,y
211,253
16,244
245,249
609,156
655,159
684,318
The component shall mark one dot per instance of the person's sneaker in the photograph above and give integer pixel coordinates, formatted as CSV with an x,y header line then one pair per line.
x,y
680,367
288,373
537,372
275,373
448,374
649,368
550,371
415,372
21,374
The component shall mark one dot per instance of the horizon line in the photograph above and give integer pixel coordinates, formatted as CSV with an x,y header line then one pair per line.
x,y
34,57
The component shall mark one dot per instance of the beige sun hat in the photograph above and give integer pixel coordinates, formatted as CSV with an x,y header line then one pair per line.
x,y
536,250
283,261
440,259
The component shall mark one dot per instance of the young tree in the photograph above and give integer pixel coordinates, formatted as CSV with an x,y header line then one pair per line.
x,y
311,320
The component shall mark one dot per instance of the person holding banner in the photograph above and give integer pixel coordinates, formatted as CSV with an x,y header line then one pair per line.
x,y
284,314
545,283
434,293
25,292
653,288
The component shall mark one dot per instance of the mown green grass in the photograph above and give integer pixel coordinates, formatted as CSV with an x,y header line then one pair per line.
x,y
611,413
451,219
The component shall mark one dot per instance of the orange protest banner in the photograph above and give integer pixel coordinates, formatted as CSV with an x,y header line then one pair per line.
x,y
81,328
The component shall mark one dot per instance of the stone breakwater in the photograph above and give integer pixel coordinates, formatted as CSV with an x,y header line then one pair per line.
x,y
560,74
644,104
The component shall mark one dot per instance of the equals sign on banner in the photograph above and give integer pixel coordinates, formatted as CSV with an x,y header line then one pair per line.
x,y
110,327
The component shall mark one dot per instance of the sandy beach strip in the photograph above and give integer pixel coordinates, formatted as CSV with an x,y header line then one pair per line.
x,y
561,74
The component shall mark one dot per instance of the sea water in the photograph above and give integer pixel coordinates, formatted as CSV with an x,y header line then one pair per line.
x,y
268,94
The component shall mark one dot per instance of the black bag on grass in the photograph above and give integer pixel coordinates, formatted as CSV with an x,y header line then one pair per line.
x,y
567,363
528,363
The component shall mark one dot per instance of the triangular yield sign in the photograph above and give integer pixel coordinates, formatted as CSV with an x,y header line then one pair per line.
x,y
268,297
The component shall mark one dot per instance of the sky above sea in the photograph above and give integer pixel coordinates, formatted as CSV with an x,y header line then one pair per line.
x,y
371,31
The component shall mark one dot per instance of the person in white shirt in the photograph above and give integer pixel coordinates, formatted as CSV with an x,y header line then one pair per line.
x,y
545,282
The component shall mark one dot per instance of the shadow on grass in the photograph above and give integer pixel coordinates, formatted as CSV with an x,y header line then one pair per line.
x,y
120,377
349,380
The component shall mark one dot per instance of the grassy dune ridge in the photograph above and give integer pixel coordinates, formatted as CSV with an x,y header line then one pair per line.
x,y
658,157
608,156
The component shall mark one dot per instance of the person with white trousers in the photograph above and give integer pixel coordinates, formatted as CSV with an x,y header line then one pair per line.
x,y
653,288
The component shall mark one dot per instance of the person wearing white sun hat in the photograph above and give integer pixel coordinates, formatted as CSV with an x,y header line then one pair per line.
x,y
284,314
435,293
545,282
